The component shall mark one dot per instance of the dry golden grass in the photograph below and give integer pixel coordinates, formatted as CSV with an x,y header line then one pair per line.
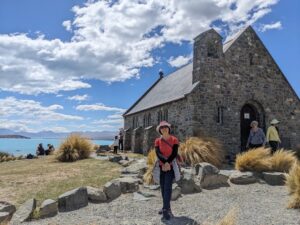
x,y
45,177
196,150
293,185
74,148
228,219
151,158
283,160
5,157
258,159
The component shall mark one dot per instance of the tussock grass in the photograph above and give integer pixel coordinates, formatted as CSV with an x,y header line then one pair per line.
x,y
261,160
258,159
151,159
283,160
293,185
228,219
6,157
196,150
75,147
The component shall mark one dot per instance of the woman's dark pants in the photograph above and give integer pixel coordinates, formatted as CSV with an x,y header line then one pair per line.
x,y
274,145
166,179
255,145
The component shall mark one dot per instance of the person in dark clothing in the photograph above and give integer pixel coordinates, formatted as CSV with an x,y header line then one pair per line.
x,y
40,150
121,140
116,144
166,148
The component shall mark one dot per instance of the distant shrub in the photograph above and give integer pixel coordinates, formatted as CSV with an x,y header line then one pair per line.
x,y
258,159
3,154
96,147
151,159
196,150
293,185
74,148
5,157
283,160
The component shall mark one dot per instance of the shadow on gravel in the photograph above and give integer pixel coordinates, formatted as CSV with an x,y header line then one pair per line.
x,y
181,220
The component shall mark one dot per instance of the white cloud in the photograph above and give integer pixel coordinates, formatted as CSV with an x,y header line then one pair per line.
x,y
113,40
179,61
32,110
115,116
272,26
98,107
68,25
79,97
108,121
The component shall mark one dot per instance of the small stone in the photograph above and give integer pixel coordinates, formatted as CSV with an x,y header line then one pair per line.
x,y
139,197
242,178
96,195
115,158
4,217
274,178
24,213
72,200
128,184
112,189
48,208
176,192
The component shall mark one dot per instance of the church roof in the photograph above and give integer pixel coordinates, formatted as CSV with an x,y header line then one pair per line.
x,y
170,88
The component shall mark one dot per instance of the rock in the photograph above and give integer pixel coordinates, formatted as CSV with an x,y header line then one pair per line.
x,y
209,176
274,178
206,169
72,200
103,148
187,182
129,184
115,158
227,172
124,162
129,175
96,195
48,208
242,178
7,207
152,187
24,213
176,192
4,217
139,197
112,189
138,168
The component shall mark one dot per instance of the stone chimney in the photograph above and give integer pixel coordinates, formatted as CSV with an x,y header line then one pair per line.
x,y
161,74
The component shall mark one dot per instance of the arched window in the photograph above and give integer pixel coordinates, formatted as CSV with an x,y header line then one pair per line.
x,y
165,117
145,121
159,116
220,115
149,119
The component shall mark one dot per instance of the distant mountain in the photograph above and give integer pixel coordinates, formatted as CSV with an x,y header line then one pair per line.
x,y
13,136
102,135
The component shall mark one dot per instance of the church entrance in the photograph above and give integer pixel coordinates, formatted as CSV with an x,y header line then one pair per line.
x,y
248,114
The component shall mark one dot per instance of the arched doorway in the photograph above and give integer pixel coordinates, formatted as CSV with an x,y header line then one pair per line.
x,y
248,114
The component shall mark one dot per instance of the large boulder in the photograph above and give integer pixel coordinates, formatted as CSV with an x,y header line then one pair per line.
x,y
139,167
96,195
129,184
187,182
242,178
210,177
48,208
274,178
112,189
72,200
24,213
176,192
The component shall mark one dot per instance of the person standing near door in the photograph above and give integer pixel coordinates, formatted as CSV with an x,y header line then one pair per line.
x,y
273,135
256,137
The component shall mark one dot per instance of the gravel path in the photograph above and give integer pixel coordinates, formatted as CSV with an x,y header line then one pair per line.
x,y
257,204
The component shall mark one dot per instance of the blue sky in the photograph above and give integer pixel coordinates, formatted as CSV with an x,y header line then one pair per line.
x,y
77,65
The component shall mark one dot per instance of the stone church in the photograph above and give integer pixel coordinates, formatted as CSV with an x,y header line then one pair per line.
x,y
218,95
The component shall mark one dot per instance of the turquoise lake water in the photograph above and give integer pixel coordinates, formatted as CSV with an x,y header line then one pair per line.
x,y
24,146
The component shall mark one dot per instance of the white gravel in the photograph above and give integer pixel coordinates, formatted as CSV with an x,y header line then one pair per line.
x,y
257,204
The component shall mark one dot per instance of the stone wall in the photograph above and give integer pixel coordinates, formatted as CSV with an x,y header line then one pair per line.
x,y
231,81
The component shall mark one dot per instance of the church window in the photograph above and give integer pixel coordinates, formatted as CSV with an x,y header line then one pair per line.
x,y
251,59
149,119
220,115
212,50
165,117
159,116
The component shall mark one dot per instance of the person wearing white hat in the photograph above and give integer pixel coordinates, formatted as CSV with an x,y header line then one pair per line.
x,y
273,135
166,148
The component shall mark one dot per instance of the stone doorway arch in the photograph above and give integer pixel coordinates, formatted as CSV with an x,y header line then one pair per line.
x,y
251,110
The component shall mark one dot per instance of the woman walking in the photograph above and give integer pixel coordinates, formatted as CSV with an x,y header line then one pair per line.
x,y
273,135
166,148
256,137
